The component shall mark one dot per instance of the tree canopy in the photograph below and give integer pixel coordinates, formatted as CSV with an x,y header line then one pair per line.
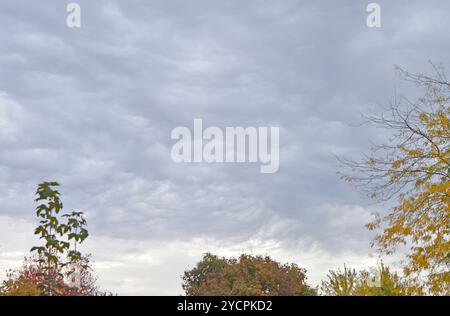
x,y
56,267
413,169
379,281
247,276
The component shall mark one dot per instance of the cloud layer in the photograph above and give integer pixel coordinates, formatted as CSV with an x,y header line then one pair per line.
x,y
93,109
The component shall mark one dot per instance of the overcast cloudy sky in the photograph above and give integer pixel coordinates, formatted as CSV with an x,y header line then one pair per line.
x,y
93,108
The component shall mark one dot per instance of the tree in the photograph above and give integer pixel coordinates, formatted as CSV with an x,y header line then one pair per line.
x,y
246,276
58,256
375,282
413,169
56,267
380,281
22,282
28,280
340,283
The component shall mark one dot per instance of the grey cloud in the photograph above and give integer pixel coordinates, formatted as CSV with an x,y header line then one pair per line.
x,y
93,108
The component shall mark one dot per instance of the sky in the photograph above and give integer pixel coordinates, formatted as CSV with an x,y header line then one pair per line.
x,y
93,108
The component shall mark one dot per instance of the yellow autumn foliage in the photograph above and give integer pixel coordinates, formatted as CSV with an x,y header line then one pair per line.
x,y
414,170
